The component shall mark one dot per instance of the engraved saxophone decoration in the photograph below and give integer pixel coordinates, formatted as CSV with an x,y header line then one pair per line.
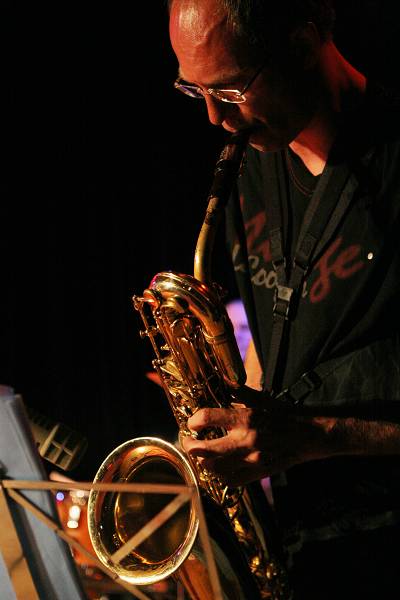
x,y
199,365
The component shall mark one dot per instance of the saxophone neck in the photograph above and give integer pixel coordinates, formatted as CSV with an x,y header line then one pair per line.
x,y
226,172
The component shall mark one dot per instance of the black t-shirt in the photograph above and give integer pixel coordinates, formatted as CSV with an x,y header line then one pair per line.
x,y
349,308
352,294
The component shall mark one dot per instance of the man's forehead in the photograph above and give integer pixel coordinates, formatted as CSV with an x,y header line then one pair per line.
x,y
194,23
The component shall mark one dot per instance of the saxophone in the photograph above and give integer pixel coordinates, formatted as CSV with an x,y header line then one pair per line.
x,y
199,365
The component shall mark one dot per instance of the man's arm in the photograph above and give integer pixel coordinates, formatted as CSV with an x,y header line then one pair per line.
x,y
268,440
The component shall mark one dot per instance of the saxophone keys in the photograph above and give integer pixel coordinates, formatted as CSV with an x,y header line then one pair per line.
x,y
272,570
148,332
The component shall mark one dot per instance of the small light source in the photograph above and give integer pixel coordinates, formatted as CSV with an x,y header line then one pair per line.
x,y
370,255
74,512
60,496
72,524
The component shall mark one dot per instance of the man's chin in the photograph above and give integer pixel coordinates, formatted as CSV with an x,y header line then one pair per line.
x,y
263,141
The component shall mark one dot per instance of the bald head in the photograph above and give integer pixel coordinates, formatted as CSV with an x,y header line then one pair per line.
x,y
196,28
258,20
204,42
191,16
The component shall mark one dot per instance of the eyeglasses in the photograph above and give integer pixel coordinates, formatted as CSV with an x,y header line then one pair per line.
x,y
233,96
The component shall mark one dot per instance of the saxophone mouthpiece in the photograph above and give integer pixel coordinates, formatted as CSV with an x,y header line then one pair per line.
x,y
235,145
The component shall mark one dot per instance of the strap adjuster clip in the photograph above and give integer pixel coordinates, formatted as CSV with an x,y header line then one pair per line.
x,y
296,393
311,380
282,299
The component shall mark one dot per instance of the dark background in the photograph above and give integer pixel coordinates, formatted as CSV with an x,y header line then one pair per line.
x,y
104,184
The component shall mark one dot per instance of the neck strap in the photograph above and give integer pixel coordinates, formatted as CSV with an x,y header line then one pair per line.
x,y
328,205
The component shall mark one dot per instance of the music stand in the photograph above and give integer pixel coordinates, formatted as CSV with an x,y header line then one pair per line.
x,y
34,515
51,565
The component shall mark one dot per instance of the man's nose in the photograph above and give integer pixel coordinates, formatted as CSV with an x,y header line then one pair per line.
x,y
216,109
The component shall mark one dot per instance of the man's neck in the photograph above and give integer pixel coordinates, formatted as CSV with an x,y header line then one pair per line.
x,y
342,87
314,143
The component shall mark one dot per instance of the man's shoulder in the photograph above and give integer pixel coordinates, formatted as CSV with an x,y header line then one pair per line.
x,y
371,132
383,97
382,112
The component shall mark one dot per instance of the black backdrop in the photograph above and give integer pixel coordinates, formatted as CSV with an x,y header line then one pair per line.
x,y
108,187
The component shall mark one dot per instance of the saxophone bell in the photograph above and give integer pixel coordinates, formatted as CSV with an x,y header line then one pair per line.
x,y
115,518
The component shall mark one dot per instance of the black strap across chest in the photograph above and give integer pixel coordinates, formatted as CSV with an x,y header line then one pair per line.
x,y
326,208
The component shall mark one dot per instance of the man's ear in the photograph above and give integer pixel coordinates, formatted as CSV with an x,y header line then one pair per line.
x,y
306,45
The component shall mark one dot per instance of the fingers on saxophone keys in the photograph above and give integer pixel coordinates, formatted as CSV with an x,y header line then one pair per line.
x,y
208,448
211,417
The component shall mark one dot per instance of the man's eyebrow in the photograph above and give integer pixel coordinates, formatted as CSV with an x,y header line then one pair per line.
x,y
228,80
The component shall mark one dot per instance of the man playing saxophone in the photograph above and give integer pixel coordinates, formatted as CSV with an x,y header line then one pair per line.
x,y
312,230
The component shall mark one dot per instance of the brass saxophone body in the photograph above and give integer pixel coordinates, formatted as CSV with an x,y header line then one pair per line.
x,y
199,365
